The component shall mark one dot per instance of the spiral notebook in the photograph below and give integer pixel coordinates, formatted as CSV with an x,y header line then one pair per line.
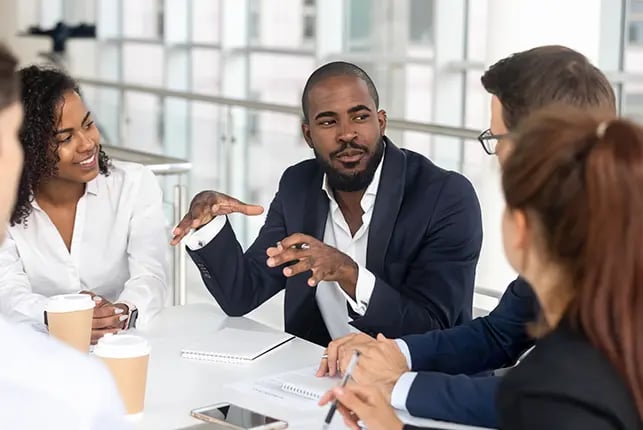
x,y
231,345
301,383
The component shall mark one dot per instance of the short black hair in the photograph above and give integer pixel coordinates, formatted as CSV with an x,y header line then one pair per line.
x,y
43,90
527,81
337,68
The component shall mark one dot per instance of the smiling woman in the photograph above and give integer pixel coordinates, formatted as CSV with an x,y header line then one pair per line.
x,y
81,223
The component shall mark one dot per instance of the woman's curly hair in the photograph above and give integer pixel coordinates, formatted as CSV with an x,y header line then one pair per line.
x,y
43,91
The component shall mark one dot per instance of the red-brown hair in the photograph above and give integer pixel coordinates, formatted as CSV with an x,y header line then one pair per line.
x,y
581,177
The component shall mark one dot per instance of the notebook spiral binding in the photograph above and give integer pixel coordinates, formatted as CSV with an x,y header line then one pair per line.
x,y
300,391
194,355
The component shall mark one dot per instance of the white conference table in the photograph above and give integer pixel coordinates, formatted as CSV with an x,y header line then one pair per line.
x,y
176,385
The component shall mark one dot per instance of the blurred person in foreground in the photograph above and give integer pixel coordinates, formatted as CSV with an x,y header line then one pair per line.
x,y
43,383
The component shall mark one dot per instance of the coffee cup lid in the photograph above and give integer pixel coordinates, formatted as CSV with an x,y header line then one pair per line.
x,y
69,303
121,346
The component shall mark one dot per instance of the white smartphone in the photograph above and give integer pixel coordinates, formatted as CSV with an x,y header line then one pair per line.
x,y
228,416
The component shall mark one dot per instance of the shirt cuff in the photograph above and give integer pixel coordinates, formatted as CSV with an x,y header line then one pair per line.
x,y
197,239
363,290
401,391
404,349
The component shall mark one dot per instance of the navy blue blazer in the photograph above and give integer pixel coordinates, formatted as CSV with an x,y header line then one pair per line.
x,y
423,246
442,389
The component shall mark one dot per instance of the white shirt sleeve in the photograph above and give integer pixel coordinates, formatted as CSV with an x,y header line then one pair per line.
x,y
363,290
404,349
18,302
147,285
401,391
197,239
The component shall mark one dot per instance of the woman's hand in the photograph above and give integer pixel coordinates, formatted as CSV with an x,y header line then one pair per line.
x,y
366,404
108,317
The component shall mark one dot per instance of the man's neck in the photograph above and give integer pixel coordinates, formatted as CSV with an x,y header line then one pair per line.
x,y
350,203
60,192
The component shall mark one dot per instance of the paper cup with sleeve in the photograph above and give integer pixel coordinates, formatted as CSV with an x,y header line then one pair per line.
x,y
126,356
69,318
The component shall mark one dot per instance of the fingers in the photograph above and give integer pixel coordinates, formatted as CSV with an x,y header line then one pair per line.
x,y
295,269
287,255
328,397
106,310
323,368
297,239
115,321
333,352
246,209
182,229
98,333
352,399
350,418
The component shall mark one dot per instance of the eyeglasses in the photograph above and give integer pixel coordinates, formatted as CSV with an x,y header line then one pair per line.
x,y
488,140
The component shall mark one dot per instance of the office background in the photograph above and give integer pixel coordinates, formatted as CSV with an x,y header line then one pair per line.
x,y
217,83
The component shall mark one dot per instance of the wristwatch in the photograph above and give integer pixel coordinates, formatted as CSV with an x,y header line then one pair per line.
x,y
132,315
131,321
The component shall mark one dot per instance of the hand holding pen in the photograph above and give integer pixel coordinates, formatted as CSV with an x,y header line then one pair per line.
x,y
365,404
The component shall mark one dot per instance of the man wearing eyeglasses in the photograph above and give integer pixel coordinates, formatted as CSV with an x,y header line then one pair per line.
x,y
443,383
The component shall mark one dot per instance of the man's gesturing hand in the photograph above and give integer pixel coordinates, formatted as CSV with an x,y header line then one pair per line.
x,y
205,206
325,262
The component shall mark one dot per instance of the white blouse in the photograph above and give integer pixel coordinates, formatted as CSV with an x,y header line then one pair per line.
x,y
118,249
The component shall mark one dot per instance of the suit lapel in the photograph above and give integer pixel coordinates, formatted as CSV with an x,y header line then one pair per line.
x,y
390,194
315,208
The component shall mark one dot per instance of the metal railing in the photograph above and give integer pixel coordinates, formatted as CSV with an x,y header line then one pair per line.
x,y
423,127
162,165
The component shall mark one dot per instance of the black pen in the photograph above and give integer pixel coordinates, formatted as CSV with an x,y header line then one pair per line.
x,y
347,376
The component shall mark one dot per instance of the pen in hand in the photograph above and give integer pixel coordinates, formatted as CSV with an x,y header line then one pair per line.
x,y
347,376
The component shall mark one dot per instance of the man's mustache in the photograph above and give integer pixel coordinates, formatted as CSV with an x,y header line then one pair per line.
x,y
347,145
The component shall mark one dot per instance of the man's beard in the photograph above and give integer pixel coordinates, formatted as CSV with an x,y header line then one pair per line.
x,y
355,181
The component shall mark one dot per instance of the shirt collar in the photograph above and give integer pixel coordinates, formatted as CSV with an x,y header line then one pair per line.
x,y
371,191
90,188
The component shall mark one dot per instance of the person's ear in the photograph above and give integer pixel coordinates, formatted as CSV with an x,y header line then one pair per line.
x,y
381,119
305,130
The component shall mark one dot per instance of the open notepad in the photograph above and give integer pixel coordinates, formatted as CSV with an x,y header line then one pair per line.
x,y
231,345
301,383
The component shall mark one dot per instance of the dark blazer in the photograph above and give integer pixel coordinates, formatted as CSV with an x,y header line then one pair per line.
x,y
423,245
566,383
443,388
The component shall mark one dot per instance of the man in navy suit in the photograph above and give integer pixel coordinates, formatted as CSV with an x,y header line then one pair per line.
x,y
433,375
366,236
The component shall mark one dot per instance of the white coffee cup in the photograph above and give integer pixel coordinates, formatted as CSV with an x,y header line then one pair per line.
x,y
69,318
126,356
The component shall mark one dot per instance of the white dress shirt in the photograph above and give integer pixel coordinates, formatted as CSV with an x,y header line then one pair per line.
x,y
47,385
118,249
403,385
331,298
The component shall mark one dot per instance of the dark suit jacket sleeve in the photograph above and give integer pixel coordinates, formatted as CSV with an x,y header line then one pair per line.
x,y
455,398
483,344
241,282
535,412
439,281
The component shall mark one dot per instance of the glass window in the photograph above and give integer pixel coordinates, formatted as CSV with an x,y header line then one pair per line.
x,y
360,25
205,21
309,28
636,6
152,72
143,19
636,33
421,21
